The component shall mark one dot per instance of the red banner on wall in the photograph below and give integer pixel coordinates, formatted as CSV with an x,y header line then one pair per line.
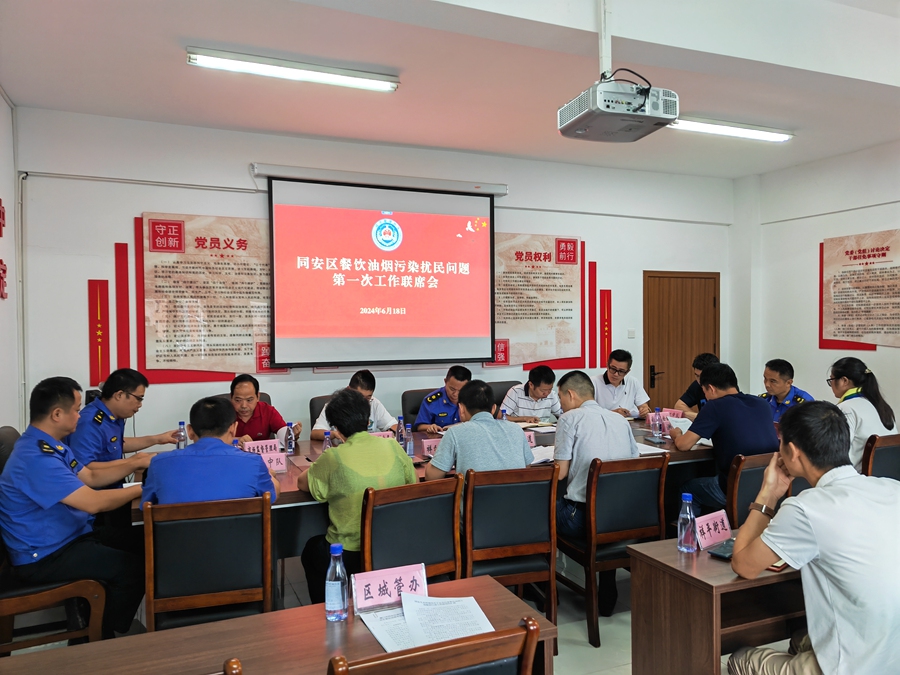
x,y
605,325
98,329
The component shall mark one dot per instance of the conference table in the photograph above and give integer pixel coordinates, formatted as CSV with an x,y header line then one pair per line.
x,y
687,609
296,641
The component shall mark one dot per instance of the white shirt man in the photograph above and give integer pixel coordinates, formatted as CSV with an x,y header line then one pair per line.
x,y
843,535
615,391
534,401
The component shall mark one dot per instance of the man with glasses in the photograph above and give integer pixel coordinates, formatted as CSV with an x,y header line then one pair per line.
x,y
535,400
380,419
619,393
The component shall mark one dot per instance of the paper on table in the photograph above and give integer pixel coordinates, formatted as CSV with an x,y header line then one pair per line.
x,y
542,453
685,424
389,627
545,429
433,620
644,449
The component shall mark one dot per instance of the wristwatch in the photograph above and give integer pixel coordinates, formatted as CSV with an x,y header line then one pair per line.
x,y
762,508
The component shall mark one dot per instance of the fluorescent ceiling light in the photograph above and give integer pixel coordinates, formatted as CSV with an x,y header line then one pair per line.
x,y
731,129
290,70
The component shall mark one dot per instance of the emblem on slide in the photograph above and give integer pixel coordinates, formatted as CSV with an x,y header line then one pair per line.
x,y
387,234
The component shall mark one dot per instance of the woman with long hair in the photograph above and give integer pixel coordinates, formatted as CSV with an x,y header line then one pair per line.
x,y
861,402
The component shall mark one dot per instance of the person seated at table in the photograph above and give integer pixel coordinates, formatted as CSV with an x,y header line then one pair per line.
x,y
737,424
100,434
257,420
693,399
584,432
340,476
211,467
535,400
48,500
861,402
844,537
380,419
484,443
778,378
615,391
440,409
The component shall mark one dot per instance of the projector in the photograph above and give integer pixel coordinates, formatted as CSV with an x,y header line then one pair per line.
x,y
617,112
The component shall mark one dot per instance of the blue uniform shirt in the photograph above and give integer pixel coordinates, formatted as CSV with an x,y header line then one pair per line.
x,y
795,396
98,437
40,473
437,409
208,470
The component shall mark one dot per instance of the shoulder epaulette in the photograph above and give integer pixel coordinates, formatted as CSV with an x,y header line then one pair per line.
x,y
434,397
765,396
98,418
799,399
45,446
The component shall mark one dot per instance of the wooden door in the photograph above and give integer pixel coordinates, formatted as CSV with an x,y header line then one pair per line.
x,y
681,320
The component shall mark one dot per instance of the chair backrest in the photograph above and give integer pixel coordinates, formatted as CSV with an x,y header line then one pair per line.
x,y
882,456
316,403
510,513
625,499
745,478
501,389
410,402
8,438
263,396
413,524
501,652
207,554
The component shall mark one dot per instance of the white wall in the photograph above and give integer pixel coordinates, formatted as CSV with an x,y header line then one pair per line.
x,y
631,221
10,390
801,206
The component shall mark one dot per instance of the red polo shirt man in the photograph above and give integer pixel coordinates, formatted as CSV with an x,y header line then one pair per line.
x,y
256,420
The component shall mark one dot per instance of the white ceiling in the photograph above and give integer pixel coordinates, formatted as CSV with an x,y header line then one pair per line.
x,y
458,90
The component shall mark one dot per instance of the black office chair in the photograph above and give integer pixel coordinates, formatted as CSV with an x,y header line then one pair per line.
x,y
881,456
410,402
624,506
392,533
505,652
207,561
501,389
17,597
263,396
745,478
510,528
316,403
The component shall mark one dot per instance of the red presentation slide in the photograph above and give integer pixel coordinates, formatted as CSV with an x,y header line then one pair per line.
x,y
358,273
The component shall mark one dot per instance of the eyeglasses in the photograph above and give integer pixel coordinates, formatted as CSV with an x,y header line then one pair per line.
x,y
830,380
140,399
618,371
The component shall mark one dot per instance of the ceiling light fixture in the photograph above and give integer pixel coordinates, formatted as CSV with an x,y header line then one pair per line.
x,y
290,70
731,129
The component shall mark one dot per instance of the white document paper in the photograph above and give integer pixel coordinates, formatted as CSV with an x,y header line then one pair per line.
x,y
543,453
685,424
433,620
389,627
645,449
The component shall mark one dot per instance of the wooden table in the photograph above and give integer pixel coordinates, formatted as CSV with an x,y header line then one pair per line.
x,y
297,641
687,609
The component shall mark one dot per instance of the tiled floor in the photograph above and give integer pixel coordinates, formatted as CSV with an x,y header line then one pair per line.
x,y
576,656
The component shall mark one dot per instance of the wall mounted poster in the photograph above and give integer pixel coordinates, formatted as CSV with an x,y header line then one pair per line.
x,y
861,288
206,292
537,296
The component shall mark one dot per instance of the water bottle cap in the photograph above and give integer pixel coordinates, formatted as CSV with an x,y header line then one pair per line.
x,y
289,425
409,426
181,424
328,433
687,497
337,549
658,409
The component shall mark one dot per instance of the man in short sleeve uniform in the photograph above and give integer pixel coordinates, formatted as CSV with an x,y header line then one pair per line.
x,y
584,432
843,535
211,468
781,394
440,409
482,443
47,507
737,424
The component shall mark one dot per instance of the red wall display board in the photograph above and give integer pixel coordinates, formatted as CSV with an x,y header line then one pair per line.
x,y
98,330
843,260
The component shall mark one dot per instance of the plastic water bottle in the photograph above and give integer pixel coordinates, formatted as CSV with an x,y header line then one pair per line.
x,y
327,442
687,535
336,583
181,437
236,444
400,430
290,446
503,415
408,436
656,424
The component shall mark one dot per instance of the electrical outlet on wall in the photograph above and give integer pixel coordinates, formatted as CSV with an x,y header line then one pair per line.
x,y
631,333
